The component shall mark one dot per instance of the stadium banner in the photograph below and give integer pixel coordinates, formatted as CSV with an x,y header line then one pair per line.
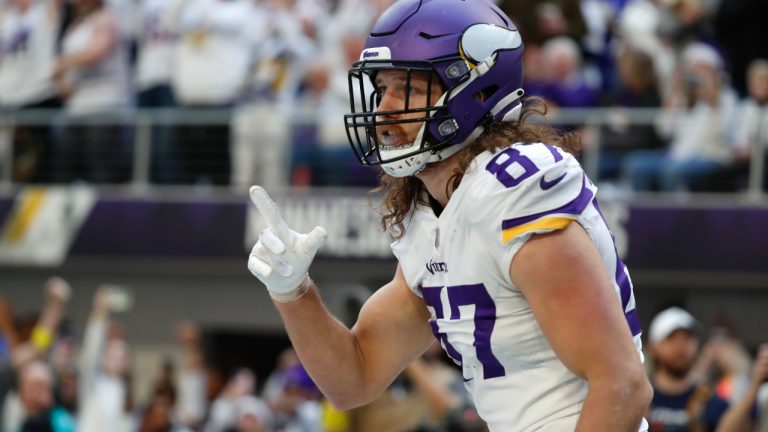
x,y
712,237
41,223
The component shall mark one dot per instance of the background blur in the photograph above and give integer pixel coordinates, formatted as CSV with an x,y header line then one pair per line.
x,y
130,131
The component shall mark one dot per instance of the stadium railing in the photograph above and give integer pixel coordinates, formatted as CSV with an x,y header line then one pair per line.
x,y
143,123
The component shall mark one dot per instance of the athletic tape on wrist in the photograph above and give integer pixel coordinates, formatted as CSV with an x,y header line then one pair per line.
x,y
294,295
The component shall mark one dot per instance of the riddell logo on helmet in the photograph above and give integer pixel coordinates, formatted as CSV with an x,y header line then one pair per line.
x,y
378,53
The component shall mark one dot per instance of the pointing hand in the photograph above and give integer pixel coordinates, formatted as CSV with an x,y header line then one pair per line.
x,y
281,257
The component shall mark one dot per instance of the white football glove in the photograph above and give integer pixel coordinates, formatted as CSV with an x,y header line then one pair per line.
x,y
281,257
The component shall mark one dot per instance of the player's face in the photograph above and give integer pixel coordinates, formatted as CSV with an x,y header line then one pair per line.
x,y
677,352
394,91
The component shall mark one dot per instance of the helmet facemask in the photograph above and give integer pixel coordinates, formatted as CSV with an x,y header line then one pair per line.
x,y
367,126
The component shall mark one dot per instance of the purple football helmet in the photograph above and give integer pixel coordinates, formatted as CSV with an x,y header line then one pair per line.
x,y
470,46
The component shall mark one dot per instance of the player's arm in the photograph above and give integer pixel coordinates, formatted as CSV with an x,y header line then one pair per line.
x,y
565,282
351,367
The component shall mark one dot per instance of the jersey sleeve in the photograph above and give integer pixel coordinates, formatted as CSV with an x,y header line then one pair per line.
x,y
527,189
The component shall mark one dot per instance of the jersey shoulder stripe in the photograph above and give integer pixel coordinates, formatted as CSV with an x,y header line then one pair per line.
x,y
557,218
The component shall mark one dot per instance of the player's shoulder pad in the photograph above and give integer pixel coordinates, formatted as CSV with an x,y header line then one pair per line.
x,y
527,188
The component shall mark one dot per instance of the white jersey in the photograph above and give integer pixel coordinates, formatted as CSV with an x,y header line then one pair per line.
x,y
215,50
27,54
459,264
100,86
157,44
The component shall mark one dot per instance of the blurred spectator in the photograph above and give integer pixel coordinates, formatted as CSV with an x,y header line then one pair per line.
x,y
600,17
92,76
253,415
165,382
687,21
299,408
321,155
159,416
213,58
26,348
638,88
9,338
105,398
263,119
63,361
539,21
36,396
742,415
156,45
223,415
398,409
638,26
566,83
725,362
680,401
738,22
275,382
191,404
347,17
28,36
697,118
751,129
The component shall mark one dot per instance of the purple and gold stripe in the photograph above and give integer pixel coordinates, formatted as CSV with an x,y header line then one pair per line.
x,y
554,219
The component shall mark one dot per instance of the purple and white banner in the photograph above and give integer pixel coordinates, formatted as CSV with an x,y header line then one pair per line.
x,y
43,230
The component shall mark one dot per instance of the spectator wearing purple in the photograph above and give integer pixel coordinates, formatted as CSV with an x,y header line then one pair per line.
x,y
566,82
299,408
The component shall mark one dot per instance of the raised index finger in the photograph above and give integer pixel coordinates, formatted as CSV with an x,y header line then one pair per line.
x,y
270,212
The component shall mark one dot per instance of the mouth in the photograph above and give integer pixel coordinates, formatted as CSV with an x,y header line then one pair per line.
x,y
389,139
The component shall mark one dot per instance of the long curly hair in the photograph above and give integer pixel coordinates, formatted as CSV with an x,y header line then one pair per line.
x,y
401,194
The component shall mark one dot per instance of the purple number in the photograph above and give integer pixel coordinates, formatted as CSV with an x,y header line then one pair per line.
x,y
484,320
432,298
501,163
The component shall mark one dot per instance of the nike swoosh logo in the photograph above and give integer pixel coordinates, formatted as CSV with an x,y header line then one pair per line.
x,y
467,379
549,184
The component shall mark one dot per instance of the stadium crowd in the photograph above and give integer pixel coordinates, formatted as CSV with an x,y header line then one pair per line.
x,y
58,380
54,379
278,69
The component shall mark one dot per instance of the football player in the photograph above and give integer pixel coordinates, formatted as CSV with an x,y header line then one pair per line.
x,y
503,253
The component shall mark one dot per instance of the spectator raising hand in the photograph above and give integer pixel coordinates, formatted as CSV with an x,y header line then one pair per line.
x,y
740,417
104,368
57,293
